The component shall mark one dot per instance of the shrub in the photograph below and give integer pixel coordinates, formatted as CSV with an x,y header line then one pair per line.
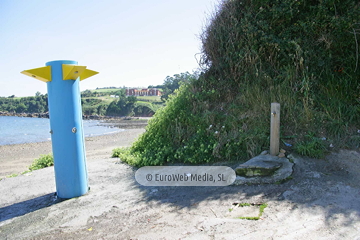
x,y
125,156
42,162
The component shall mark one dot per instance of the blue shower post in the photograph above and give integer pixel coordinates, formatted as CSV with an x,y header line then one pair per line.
x,y
67,136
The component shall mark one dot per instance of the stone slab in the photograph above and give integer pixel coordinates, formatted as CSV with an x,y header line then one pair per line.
x,y
281,173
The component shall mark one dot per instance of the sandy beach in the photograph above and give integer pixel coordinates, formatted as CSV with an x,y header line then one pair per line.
x,y
17,158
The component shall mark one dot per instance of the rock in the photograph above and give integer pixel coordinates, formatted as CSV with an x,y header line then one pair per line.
x,y
281,155
263,169
264,152
282,151
258,168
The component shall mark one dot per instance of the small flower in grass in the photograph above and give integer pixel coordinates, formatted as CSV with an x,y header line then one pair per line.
x,y
216,132
210,126
223,127
359,131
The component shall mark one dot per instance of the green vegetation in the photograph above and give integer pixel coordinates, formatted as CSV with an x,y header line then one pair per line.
x,y
123,154
42,162
244,204
261,211
110,90
311,146
114,102
12,175
172,83
37,104
284,180
152,99
109,101
303,54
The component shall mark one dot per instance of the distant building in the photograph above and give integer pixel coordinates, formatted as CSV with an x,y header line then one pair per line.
x,y
143,92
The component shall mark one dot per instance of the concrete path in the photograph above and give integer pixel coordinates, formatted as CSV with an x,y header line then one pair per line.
x,y
320,202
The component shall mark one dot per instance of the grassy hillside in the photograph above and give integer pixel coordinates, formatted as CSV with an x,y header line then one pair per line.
x,y
303,54
94,102
98,102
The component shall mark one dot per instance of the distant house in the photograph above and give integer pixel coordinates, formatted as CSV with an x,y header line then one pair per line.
x,y
143,92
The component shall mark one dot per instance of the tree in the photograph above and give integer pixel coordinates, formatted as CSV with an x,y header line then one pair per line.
x,y
157,86
101,109
21,108
87,93
172,83
37,94
124,106
121,93
113,109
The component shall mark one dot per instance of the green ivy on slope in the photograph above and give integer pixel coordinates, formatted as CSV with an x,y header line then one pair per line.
x,y
303,54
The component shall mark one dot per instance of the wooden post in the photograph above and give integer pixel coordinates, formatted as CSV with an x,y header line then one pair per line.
x,y
275,129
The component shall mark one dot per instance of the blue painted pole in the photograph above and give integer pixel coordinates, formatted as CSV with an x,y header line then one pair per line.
x,y
67,135
68,144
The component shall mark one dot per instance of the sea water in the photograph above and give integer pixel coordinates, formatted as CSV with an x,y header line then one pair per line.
x,y
15,130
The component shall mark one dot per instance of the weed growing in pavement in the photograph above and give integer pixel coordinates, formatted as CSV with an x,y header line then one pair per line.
x,y
261,210
12,175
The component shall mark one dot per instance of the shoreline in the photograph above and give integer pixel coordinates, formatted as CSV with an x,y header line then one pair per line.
x,y
92,128
84,117
16,158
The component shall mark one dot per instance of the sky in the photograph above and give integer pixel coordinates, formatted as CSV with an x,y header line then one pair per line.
x,y
131,43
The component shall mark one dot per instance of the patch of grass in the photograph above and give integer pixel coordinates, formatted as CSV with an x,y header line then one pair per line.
x,y
149,98
311,146
117,152
106,90
125,156
25,172
12,175
244,204
42,162
261,211
16,174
